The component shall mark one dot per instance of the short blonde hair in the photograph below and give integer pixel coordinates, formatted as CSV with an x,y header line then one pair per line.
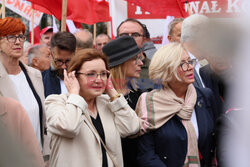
x,y
164,64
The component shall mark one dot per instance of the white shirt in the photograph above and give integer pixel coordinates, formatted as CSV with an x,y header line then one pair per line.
x,y
63,87
28,101
195,124
197,67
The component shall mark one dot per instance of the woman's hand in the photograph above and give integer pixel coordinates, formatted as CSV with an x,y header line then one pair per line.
x,y
71,82
110,90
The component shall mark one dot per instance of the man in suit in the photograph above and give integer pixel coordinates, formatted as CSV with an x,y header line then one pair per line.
x,y
192,31
63,46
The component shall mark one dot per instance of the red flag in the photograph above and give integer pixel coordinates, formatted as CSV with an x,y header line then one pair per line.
x,y
36,35
161,8
83,11
89,11
41,9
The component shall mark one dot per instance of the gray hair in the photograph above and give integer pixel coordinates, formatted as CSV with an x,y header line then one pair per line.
x,y
34,51
191,26
173,23
87,43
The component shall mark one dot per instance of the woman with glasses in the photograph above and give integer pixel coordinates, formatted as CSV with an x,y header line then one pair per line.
x,y
177,119
17,80
125,62
86,125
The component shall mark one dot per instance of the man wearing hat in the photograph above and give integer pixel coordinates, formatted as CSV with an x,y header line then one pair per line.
x,y
46,35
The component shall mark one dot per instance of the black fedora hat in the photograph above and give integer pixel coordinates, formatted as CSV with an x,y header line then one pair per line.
x,y
120,50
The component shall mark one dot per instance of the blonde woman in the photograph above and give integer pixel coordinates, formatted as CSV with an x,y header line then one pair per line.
x,y
178,119
125,62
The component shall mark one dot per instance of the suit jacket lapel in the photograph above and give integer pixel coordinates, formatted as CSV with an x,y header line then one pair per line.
x,y
197,80
199,107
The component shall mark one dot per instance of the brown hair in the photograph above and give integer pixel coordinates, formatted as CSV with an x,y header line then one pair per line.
x,y
64,41
11,26
84,55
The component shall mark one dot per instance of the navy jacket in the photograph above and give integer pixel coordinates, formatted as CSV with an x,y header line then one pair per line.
x,y
167,146
216,84
51,83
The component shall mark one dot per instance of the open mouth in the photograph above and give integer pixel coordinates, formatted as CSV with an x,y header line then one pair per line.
x,y
190,76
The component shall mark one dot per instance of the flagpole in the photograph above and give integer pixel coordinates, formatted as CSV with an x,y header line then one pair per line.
x,y
188,8
32,27
94,32
107,23
3,9
64,15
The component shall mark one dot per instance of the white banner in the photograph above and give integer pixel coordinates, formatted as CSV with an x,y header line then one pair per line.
x,y
119,13
24,9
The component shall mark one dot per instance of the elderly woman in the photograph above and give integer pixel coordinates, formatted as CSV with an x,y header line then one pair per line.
x,y
86,126
17,80
125,61
177,118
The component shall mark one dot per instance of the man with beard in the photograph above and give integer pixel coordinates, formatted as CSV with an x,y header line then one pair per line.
x,y
63,46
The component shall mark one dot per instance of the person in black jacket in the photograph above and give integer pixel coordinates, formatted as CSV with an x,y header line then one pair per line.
x,y
125,62
177,119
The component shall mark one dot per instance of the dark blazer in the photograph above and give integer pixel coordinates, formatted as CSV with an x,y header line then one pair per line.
x,y
197,80
51,83
167,146
212,81
227,126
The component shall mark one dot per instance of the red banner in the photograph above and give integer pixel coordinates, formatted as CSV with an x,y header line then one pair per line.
x,y
83,11
158,9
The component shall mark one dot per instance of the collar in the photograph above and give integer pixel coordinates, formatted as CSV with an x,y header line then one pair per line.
x,y
197,67
191,55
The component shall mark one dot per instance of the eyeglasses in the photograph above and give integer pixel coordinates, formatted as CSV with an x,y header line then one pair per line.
x,y
137,58
93,75
134,35
12,38
185,65
60,62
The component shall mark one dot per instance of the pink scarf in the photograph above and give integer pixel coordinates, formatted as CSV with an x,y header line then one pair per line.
x,y
155,108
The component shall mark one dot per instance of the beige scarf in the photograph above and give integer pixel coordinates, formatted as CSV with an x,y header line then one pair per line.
x,y
155,108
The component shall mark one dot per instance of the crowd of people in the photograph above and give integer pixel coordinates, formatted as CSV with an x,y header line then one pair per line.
x,y
71,101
